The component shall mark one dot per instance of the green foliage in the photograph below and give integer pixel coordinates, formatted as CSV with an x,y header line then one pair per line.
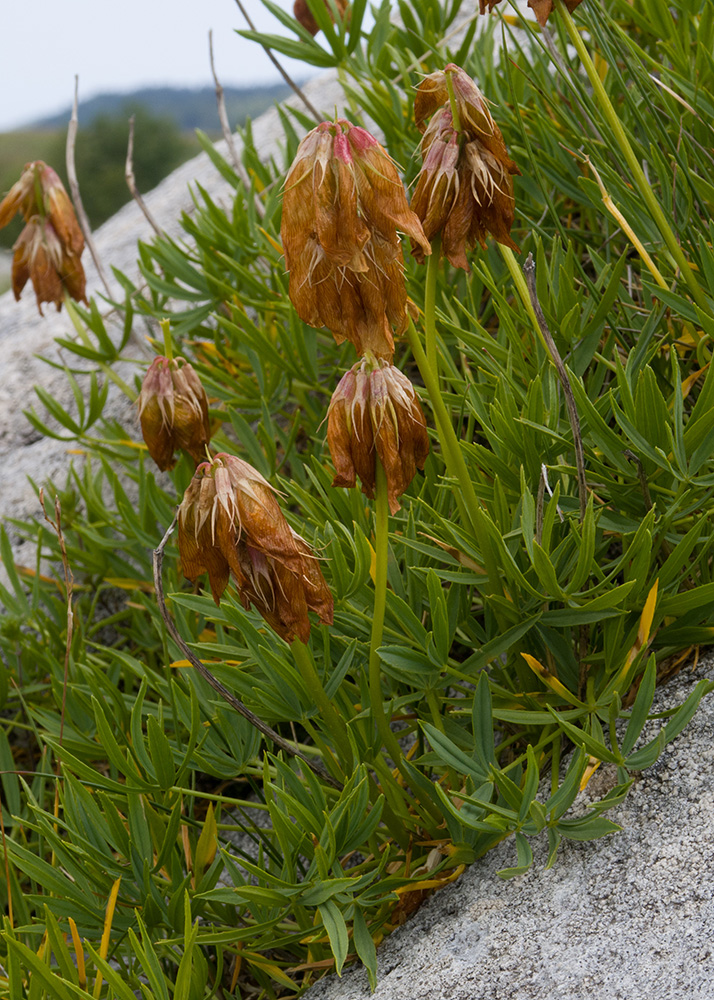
x,y
233,864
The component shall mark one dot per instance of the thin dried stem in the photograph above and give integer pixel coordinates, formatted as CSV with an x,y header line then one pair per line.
x,y
641,475
529,271
228,134
200,668
288,79
74,190
131,181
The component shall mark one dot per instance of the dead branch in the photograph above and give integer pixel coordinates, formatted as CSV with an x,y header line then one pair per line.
x,y
131,181
74,190
288,79
228,134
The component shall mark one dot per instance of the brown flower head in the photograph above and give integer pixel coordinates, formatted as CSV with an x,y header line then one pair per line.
x,y
303,14
173,411
343,204
465,187
230,523
375,414
541,8
49,248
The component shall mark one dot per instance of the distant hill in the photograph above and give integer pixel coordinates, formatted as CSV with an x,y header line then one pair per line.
x,y
189,108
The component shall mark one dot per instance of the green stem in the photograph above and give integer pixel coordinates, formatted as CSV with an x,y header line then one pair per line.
x,y
165,325
466,499
639,179
381,551
82,334
334,724
522,288
453,104
432,271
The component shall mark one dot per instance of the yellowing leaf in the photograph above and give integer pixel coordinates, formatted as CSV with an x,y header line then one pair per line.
x,y
593,765
206,846
106,933
548,679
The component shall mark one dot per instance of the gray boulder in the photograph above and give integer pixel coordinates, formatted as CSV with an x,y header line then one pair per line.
x,y
627,917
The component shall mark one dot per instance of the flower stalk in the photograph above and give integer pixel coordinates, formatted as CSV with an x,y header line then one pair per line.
x,y
334,724
432,273
639,179
466,499
381,552
529,269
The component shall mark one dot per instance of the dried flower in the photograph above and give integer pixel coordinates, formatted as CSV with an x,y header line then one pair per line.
x,y
173,411
541,8
49,248
303,14
465,188
344,202
230,523
375,415
544,8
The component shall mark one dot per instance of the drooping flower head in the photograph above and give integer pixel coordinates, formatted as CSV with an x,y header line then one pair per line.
x,y
375,415
49,248
230,524
173,410
304,15
343,204
541,8
465,187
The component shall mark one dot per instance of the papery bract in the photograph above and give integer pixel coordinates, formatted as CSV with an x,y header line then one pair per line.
x,y
304,15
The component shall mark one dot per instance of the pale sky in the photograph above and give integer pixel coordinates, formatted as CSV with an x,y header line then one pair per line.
x,y
120,46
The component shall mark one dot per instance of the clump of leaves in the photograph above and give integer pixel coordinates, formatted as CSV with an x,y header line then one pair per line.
x,y
153,840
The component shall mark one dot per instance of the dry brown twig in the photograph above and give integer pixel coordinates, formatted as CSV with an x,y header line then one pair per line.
x,y
74,190
131,181
200,668
288,79
228,134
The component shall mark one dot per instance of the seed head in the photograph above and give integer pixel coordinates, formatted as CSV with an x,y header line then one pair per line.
x,y
343,204
375,415
173,411
230,524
